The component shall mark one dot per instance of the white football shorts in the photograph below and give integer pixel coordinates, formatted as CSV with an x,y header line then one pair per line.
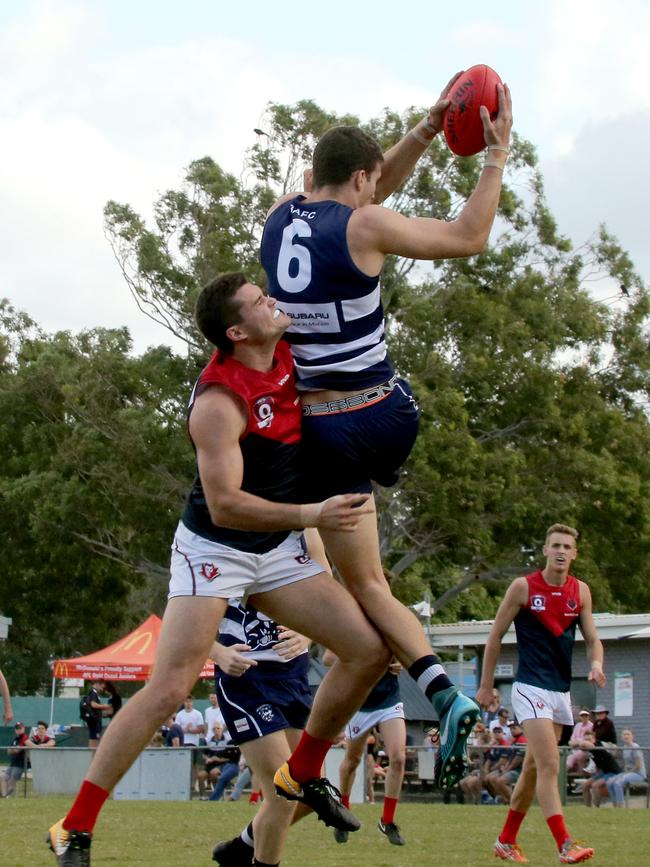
x,y
532,702
200,567
365,720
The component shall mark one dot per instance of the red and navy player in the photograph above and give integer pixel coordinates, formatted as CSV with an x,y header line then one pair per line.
x,y
546,607
234,541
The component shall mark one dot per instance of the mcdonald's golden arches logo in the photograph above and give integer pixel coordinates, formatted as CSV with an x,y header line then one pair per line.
x,y
145,637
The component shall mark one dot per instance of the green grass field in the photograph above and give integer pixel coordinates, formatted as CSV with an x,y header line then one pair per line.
x,y
182,835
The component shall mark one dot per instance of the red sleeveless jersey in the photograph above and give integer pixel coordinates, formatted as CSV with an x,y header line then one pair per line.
x,y
270,443
545,628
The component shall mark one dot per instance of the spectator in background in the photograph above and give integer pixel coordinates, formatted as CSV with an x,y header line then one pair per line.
x,y
502,722
577,760
491,712
603,727
500,785
114,699
634,770
595,788
191,722
17,761
174,736
222,761
96,708
213,713
7,712
40,737
492,761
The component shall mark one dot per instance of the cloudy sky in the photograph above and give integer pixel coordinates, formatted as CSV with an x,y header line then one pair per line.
x,y
111,99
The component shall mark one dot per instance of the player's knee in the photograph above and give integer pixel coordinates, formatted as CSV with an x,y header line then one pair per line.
x,y
397,761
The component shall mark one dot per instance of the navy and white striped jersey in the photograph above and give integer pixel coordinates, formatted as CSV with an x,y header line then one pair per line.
x,y
337,330
243,624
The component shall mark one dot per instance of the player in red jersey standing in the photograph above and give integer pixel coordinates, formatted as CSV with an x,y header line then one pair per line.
x,y
241,535
546,608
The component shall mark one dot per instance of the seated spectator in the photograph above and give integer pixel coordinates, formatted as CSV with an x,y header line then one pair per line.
x,y
17,762
595,788
634,770
40,737
156,742
577,759
501,784
221,761
502,722
494,759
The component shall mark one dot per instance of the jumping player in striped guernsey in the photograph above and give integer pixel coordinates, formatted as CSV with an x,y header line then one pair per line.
x,y
323,254
241,535
546,607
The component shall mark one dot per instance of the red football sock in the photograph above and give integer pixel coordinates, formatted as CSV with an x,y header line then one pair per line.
x,y
558,829
345,800
511,827
308,757
83,813
388,814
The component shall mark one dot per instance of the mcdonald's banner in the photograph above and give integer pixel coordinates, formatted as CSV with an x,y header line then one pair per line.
x,y
130,658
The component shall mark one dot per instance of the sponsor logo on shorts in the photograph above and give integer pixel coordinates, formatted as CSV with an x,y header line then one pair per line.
x,y
265,712
303,559
356,730
540,705
538,602
242,725
263,412
210,571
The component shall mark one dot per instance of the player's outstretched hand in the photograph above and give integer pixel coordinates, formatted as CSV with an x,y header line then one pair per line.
x,y
437,111
343,512
497,132
291,643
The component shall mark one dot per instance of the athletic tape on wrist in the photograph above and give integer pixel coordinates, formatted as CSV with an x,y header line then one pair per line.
x,y
492,164
499,148
596,665
419,137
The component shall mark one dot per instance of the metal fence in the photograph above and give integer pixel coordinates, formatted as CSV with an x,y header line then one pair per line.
x,y
170,773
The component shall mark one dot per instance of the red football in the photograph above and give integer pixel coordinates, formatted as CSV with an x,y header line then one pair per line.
x,y
462,124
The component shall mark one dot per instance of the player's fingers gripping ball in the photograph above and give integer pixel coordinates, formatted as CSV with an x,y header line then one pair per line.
x,y
463,126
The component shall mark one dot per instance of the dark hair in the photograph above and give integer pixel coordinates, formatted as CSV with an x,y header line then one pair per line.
x,y
42,722
216,309
110,689
341,151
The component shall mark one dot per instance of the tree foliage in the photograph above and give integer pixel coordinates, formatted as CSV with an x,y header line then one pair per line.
x,y
534,401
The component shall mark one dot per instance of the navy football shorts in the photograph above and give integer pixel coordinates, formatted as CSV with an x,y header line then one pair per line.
x,y
345,452
254,707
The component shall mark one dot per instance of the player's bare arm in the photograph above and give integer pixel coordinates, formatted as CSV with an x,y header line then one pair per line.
x,y
515,598
216,425
593,644
375,232
400,160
